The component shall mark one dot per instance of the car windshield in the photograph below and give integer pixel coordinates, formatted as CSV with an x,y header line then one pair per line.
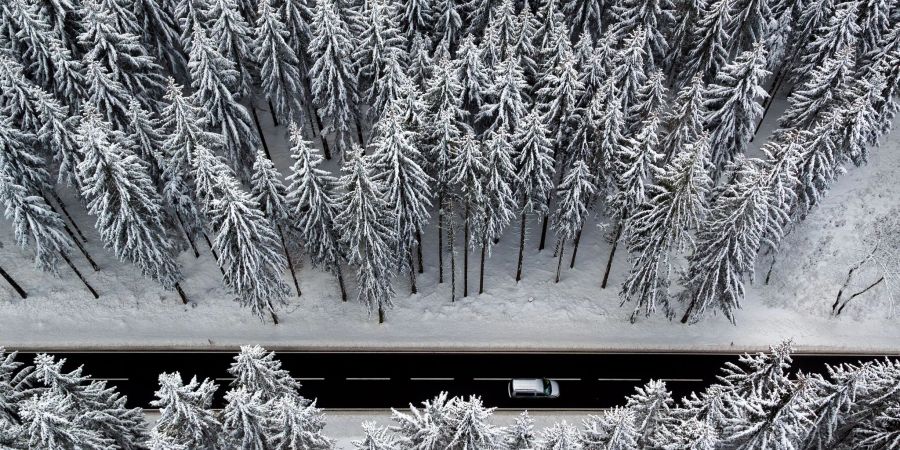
x,y
547,389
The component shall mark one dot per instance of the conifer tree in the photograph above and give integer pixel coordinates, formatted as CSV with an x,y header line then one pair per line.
x,y
448,23
707,49
656,18
687,14
146,136
732,102
416,16
368,230
107,96
379,44
259,372
269,193
534,167
389,90
444,91
473,75
507,108
244,420
874,23
118,190
629,68
420,61
523,46
841,31
184,412
333,84
466,172
313,204
573,195
676,203
49,423
190,15
297,426
35,38
520,435
586,17
235,43
499,205
376,438
824,84
443,140
651,99
159,33
610,129
558,98
279,70
397,164
68,83
561,435
472,427
684,122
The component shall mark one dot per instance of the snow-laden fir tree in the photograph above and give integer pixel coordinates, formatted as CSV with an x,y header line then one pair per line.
x,y
572,198
244,420
655,17
551,25
376,438
97,407
607,108
520,435
684,121
500,36
675,205
259,372
465,174
551,54
507,108
235,43
586,17
334,85
22,178
443,140
534,169
269,192
296,426
614,429
420,61
389,90
499,205
121,54
650,99
159,34
841,31
591,65
753,20
416,16
629,68
429,427
706,47
809,17
279,67
118,190
444,91
249,253
107,96
652,407
51,422
472,426
190,14
35,40
185,416
733,105
213,79
558,437
473,75
146,136
313,202
68,76
686,17
379,45
123,16
874,21
826,82
368,230
397,163
448,22
523,47
16,93
558,97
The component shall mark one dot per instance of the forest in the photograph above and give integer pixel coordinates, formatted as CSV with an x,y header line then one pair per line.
x,y
759,402
465,120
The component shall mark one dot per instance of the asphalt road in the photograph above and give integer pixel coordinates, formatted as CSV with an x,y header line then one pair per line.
x,y
382,380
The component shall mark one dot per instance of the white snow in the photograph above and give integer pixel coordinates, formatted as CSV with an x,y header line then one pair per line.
x,y
535,314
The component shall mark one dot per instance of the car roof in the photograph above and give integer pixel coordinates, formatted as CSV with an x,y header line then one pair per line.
x,y
531,384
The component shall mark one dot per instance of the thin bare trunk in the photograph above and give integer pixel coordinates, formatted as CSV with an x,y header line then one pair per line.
x,y
290,261
262,137
466,254
440,238
80,277
359,133
560,250
481,274
544,232
612,254
186,235
181,293
13,283
575,247
65,211
272,111
412,275
419,250
450,244
340,278
274,317
380,314
215,255
521,248
876,283
849,276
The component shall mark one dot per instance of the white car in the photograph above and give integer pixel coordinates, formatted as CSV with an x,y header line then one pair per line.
x,y
533,388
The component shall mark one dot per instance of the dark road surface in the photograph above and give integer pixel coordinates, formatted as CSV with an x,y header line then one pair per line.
x,y
382,380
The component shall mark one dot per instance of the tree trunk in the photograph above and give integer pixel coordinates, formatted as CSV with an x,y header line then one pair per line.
x,y
412,275
78,273
768,103
450,244
290,262
440,238
481,274
575,247
187,236
274,317
325,149
312,125
876,283
521,248
419,250
340,277
359,133
262,137
544,232
65,211
13,283
612,254
81,248
687,314
181,293
380,314
560,250
466,254
215,255
272,111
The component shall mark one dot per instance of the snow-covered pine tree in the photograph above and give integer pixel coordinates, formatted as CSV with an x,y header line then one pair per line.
x,y
121,54
35,39
592,66
556,47
313,204
389,90
50,421
68,76
652,407
523,47
259,372
368,230
634,166
95,406
557,437
499,206
118,190
655,17
507,108
684,121
184,412
416,16
465,174
558,97
444,137
500,36
379,45
614,429
572,197
269,193
630,68
818,92
732,102
472,426
444,91
651,98
244,420
296,15
334,85
707,50
534,169
610,115
146,136
213,77
675,205
840,31
398,165
279,68
686,16
376,438
586,17
107,96
190,14
249,253
235,43
296,426
520,435
430,427
123,16
420,61
473,75
448,22
159,33
551,26
753,21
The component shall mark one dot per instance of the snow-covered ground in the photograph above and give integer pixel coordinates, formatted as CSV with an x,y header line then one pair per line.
x,y
536,313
